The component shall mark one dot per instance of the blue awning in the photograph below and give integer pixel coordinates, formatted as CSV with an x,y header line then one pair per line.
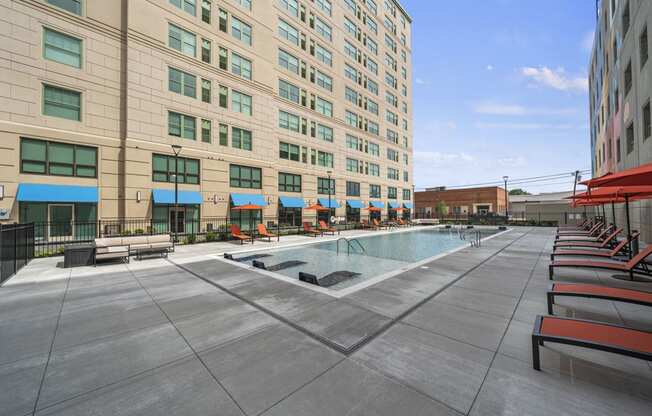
x,y
407,205
324,203
354,203
37,192
394,205
377,204
166,196
290,202
239,200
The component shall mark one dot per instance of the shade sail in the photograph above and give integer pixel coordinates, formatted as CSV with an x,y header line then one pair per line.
x,y
36,192
377,204
639,176
166,196
291,202
353,203
325,203
407,205
248,201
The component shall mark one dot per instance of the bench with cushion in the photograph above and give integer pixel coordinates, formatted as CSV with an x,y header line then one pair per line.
x,y
111,249
149,244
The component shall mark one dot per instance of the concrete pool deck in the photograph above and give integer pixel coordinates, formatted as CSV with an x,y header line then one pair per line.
x,y
194,336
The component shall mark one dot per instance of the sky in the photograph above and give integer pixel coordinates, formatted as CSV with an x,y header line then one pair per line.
x,y
500,88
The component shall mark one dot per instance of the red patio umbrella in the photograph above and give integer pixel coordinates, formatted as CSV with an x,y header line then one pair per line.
x,y
639,176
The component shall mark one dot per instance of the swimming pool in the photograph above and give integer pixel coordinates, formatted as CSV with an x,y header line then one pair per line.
x,y
344,263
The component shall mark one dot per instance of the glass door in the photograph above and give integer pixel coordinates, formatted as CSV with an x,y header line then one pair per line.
x,y
60,218
177,220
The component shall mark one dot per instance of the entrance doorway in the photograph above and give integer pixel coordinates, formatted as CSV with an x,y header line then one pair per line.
x,y
177,220
61,220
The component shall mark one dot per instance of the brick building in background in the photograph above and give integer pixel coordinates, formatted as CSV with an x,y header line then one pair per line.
x,y
460,202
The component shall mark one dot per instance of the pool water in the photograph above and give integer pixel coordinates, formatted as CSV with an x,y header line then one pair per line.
x,y
375,255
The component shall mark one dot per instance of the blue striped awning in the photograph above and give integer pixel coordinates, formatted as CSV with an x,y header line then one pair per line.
x,y
324,203
394,205
239,200
291,202
166,197
377,204
37,192
354,203
407,205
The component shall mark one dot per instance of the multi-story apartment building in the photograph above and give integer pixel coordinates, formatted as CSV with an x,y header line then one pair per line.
x,y
267,99
620,86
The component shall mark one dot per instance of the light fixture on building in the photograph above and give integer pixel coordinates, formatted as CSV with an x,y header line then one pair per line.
x,y
138,196
2,192
215,199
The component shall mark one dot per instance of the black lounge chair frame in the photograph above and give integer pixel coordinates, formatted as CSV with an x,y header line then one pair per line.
x,y
551,295
538,339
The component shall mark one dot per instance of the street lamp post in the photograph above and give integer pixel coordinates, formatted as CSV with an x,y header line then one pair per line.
x,y
176,149
506,201
329,197
414,204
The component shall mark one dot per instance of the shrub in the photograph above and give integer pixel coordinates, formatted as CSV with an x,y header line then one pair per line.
x,y
191,239
139,231
211,236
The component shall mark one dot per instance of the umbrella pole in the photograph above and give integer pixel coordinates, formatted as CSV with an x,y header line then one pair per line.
x,y
613,213
629,230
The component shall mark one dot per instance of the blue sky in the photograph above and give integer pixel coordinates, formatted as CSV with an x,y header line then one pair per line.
x,y
500,89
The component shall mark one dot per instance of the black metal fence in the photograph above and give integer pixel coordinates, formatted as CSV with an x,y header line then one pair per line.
x,y
16,248
545,219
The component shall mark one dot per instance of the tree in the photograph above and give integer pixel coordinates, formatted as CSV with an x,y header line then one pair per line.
x,y
519,191
441,209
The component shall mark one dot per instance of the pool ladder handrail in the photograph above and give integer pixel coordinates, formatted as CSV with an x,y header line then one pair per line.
x,y
476,235
349,245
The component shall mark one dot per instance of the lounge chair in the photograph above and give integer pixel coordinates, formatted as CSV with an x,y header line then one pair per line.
x,y
403,223
365,224
263,233
592,232
585,225
620,249
606,243
239,235
324,228
636,265
589,334
310,230
378,225
603,234
598,292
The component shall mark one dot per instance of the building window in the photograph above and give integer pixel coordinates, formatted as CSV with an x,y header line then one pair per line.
x,y
352,188
407,195
323,187
224,135
62,48
324,133
288,121
374,191
206,131
374,169
163,169
288,182
324,107
186,5
206,11
224,96
224,16
324,81
617,150
73,6
223,58
287,61
643,47
391,192
60,102
181,125
647,128
289,32
61,159
240,30
291,6
205,90
245,177
241,103
288,151
630,138
241,66
241,139
323,29
206,50
182,82
325,159
352,165
392,174
181,40
288,91
324,55
325,6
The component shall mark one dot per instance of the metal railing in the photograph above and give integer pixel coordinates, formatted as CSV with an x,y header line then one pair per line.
x,y
16,248
349,245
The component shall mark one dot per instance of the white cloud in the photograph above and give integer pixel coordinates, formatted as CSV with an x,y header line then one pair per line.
x,y
439,158
512,162
490,67
421,81
587,41
555,78
526,126
501,109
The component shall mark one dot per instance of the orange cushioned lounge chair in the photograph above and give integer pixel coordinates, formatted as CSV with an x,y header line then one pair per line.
x,y
593,231
606,243
636,265
620,249
324,228
263,233
601,235
239,235
581,290
310,230
589,334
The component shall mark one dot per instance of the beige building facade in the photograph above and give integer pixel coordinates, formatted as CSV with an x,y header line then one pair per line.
x,y
267,99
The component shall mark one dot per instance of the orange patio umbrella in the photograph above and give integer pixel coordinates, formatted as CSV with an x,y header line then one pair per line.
x,y
639,176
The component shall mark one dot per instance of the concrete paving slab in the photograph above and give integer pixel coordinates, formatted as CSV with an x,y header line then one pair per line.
x,y
465,325
341,323
20,383
354,390
448,371
485,302
263,368
184,387
85,367
493,283
514,388
26,337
